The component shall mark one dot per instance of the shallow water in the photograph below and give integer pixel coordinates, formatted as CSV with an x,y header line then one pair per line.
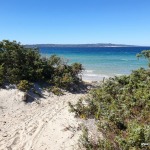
x,y
101,62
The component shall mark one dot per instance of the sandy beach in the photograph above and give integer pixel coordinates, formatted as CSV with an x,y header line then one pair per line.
x,y
44,124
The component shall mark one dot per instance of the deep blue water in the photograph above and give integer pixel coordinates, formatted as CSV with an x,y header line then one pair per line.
x,y
101,62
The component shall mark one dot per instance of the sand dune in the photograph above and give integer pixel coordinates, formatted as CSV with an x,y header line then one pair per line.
x,y
44,124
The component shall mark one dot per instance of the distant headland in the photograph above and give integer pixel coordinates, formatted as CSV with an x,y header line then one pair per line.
x,y
82,45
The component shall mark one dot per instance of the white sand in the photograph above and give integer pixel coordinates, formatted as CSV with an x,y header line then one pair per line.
x,y
45,124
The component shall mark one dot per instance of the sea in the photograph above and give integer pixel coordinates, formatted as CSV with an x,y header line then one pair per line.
x,y
100,62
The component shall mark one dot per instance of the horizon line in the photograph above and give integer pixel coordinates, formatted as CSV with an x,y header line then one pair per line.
x,y
89,44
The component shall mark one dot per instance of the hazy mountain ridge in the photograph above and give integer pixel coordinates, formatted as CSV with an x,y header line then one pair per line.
x,y
81,45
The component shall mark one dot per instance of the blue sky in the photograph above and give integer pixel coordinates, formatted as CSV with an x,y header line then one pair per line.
x,y
75,21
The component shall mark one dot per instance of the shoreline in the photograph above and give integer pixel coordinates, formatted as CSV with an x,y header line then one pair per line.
x,y
89,76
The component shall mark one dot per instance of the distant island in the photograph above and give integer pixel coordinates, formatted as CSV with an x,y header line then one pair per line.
x,y
81,45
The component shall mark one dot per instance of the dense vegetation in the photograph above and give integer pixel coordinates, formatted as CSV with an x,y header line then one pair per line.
x,y
22,66
121,108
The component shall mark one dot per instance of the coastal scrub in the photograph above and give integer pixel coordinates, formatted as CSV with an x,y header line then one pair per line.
x,y
22,66
121,108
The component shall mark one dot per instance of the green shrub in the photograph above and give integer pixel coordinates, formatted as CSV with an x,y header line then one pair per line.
x,y
24,85
121,107
84,139
55,61
65,77
57,91
1,75
145,54
22,63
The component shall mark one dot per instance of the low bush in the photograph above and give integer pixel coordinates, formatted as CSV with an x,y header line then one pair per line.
x,y
1,75
21,63
24,85
121,108
57,91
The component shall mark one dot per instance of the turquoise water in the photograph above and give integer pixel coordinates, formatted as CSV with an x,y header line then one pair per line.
x,y
101,62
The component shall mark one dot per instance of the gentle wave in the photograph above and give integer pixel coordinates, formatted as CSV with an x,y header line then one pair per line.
x,y
90,75
89,71
94,77
125,59
118,74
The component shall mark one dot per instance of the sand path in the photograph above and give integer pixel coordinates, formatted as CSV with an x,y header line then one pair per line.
x,y
42,125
